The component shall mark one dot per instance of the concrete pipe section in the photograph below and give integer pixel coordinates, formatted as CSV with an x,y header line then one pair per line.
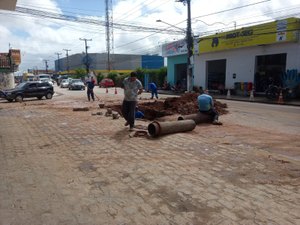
x,y
197,117
156,128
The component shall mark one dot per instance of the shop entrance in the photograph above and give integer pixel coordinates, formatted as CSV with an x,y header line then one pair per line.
x,y
180,76
269,70
216,70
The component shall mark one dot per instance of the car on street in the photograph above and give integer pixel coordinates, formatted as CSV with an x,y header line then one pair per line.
x,y
50,81
106,82
62,77
28,89
64,83
76,84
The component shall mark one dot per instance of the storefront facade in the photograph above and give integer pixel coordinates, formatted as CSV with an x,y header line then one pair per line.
x,y
176,53
251,56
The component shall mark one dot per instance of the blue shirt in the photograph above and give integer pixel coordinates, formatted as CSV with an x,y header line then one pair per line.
x,y
205,102
152,86
90,85
139,114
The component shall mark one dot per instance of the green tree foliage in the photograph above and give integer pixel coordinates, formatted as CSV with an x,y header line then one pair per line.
x,y
155,75
80,73
113,76
120,78
99,76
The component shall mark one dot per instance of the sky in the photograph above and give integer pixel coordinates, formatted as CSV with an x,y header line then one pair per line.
x,y
48,27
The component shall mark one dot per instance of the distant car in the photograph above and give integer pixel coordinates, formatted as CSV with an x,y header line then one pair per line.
x,y
76,84
106,82
64,83
62,77
50,81
28,89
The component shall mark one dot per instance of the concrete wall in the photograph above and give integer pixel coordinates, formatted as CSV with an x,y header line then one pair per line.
x,y
242,62
7,81
118,62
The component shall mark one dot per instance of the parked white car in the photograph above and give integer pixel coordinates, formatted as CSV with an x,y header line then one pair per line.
x,y
64,83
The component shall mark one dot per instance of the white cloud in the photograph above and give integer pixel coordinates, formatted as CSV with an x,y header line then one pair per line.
x,y
40,38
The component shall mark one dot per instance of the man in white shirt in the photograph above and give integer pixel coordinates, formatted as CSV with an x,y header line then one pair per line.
x,y
132,88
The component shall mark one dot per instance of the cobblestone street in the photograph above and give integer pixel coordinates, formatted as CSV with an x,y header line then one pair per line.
x,y
58,166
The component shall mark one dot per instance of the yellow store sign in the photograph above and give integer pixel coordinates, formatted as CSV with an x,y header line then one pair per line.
x,y
269,33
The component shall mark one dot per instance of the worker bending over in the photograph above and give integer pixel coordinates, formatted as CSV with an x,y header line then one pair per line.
x,y
206,106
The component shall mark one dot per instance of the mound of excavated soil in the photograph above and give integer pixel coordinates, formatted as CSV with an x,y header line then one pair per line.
x,y
184,105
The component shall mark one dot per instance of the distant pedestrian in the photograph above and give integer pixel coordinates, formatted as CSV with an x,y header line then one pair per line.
x,y
90,89
132,88
153,88
206,106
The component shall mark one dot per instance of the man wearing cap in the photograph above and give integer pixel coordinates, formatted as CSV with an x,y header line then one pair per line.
x,y
206,106
132,88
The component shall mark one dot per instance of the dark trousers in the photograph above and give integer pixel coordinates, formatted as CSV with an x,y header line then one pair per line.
x,y
128,111
154,92
90,93
213,113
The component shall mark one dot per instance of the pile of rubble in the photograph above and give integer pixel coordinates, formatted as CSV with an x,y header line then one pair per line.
x,y
184,105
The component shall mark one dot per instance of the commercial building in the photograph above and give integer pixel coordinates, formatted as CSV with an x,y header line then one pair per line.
x,y
98,61
242,59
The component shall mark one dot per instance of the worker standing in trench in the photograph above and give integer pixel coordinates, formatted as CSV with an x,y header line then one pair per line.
x,y
132,88
206,106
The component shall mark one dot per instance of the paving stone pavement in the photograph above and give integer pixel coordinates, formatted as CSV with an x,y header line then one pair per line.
x,y
64,167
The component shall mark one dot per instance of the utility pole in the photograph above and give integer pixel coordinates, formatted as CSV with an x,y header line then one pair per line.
x,y
58,63
87,63
46,64
67,54
189,40
109,32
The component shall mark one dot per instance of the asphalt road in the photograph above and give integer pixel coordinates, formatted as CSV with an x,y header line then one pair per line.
x,y
271,117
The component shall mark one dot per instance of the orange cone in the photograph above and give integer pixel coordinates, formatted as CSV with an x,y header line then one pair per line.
x,y
106,90
116,92
280,99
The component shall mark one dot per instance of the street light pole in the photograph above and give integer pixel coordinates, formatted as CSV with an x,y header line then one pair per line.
x,y
189,41
58,63
67,54
87,63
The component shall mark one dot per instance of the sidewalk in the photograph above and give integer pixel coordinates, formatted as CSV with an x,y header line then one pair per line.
x,y
259,98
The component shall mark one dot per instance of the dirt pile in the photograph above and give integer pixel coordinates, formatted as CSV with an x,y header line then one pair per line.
x,y
184,105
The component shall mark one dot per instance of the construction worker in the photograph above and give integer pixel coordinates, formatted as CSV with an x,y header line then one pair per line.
x,y
132,88
153,88
206,106
90,89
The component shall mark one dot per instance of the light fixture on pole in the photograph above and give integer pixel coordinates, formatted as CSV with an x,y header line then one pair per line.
x,y
171,25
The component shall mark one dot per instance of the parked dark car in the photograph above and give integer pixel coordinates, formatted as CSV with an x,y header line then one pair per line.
x,y
29,89
106,82
76,84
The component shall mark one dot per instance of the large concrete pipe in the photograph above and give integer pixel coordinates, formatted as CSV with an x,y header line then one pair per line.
x,y
197,117
156,128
